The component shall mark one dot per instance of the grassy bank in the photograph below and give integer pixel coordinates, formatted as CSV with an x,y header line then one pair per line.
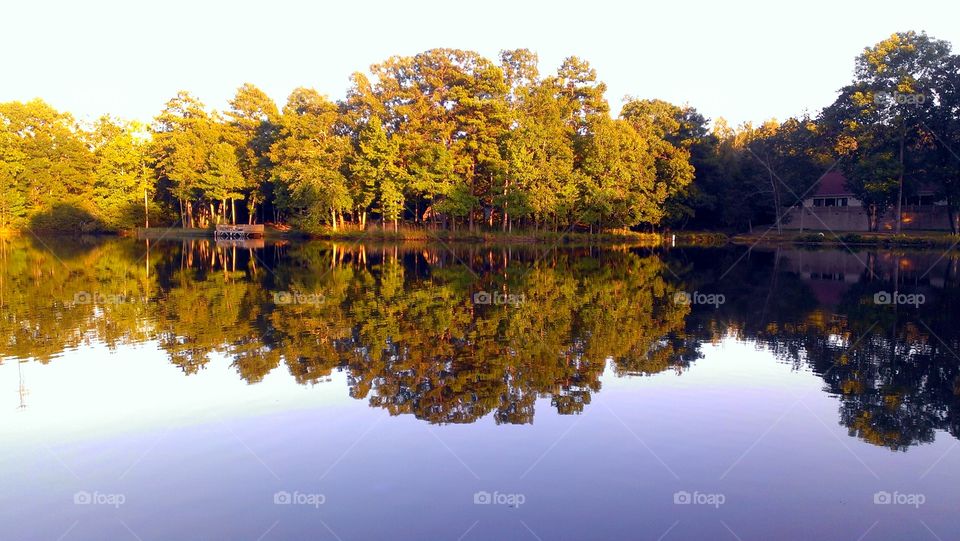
x,y
376,234
524,237
155,233
494,237
829,238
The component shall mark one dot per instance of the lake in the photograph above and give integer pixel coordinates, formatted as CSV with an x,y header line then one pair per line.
x,y
185,389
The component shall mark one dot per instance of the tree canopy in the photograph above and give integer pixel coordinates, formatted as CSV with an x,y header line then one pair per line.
x,y
448,138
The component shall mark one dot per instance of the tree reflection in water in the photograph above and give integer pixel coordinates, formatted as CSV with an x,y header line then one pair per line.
x,y
452,334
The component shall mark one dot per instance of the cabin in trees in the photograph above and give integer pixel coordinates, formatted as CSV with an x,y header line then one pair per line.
x,y
832,206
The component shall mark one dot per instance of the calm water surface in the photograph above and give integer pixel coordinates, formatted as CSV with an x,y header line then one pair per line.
x,y
190,390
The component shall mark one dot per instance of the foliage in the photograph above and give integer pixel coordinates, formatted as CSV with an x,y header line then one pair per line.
x,y
449,139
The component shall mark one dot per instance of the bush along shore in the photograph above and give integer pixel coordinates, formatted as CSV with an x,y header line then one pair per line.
x,y
408,234
921,239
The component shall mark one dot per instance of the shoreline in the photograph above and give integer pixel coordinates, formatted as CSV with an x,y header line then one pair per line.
x,y
459,237
917,239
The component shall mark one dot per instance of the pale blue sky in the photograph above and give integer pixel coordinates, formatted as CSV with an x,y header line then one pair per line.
x,y
746,60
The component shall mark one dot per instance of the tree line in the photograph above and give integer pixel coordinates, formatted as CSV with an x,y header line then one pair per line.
x,y
450,139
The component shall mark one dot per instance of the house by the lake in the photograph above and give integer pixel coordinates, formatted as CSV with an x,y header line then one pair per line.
x,y
832,206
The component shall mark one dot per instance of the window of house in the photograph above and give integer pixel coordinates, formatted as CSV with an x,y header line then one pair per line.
x,y
829,276
831,202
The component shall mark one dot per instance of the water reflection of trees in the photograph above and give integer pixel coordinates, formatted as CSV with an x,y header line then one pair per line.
x,y
402,323
893,368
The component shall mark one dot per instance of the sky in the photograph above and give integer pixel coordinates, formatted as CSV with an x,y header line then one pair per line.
x,y
743,60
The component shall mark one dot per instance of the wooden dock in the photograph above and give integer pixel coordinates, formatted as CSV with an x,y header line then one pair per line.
x,y
224,232
239,231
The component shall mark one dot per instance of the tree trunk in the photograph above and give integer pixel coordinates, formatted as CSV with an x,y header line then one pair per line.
x,y
952,216
776,200
903,135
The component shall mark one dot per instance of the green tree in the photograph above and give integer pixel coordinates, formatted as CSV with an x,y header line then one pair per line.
x,y
668,136
50,162
123,181
869,153
223,180
895,87
309,156
13,204
938,162
183,137
375,176
539,178
619,188
254,124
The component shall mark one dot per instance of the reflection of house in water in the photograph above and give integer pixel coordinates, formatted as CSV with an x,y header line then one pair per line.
x,y
828,273
832,206
831,273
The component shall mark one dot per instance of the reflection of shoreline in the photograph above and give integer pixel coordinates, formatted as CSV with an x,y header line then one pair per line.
x,y
830,274
406,329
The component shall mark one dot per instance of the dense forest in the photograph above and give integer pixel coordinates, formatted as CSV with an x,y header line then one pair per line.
x,y
450,139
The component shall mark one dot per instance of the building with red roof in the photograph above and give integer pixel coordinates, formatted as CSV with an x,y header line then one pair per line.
x,y
832,206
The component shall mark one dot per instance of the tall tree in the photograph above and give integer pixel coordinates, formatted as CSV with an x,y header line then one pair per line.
x,y
254,122
309,156
50,161
939,141
183,136
222,180
897,79
868,150
123,182
665,129
13,204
